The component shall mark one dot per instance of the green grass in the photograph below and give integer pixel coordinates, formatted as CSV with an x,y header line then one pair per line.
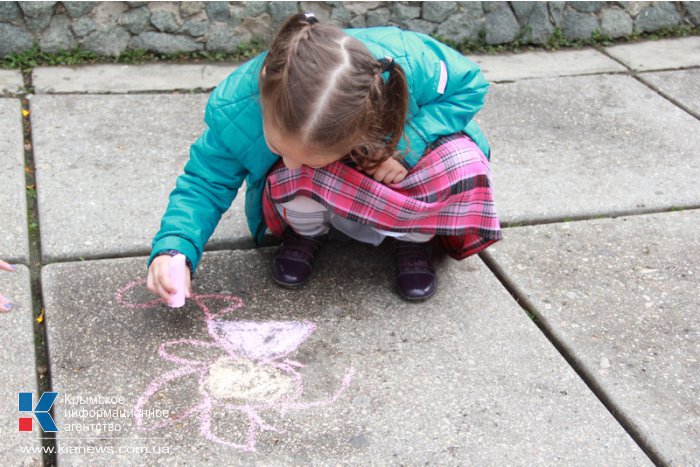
x,y
557,40
34,57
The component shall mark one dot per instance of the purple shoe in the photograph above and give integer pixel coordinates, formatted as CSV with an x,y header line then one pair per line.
x,y
291,264
416,278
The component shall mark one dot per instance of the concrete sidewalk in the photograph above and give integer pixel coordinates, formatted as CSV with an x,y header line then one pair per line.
x,y
596,165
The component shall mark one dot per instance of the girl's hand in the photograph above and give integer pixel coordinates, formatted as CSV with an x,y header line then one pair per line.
x,y
6,266
5,304
389,171
159,278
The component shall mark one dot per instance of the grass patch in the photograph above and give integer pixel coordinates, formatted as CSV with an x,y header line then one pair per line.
x,y
557,41
34,57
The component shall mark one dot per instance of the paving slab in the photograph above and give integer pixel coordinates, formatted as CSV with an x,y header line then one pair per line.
x,y
128,78
513,67
588,146
14,235
340,371
683,86
659,55
11,81
105,166
17,371
622,295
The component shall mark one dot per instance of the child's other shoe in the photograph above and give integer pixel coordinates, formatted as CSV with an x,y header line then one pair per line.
x,y
416,278
292,263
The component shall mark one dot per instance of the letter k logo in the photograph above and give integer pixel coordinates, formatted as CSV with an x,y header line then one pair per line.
x,y
41,411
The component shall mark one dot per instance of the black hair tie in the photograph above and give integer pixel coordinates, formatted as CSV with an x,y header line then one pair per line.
x,y
387,64
310,18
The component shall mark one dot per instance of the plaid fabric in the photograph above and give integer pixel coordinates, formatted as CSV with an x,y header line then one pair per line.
x,y
448,193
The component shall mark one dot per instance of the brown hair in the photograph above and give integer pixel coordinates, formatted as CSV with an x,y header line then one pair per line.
x,y
325,88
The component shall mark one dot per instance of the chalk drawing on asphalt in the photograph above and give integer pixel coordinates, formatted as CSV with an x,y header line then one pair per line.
x,y
248,369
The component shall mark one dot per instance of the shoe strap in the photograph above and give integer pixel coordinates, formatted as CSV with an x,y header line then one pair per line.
x,y
297,247
413,257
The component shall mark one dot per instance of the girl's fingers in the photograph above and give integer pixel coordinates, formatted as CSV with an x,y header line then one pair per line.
x,y
402,174
162,293
391,176
149,281
164,276
380,174
163,289
157,280
188,290
389,171
6,266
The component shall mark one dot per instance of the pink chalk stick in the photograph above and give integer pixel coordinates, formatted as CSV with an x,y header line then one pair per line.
x,y
176,268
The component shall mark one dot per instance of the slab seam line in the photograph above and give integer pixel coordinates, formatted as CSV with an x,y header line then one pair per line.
x,y
636,75
41,351
574,362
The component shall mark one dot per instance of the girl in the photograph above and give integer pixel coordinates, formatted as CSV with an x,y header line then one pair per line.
x,y
366,132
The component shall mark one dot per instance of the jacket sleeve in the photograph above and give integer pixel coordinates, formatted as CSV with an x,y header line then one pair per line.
x,y
205,190
449,90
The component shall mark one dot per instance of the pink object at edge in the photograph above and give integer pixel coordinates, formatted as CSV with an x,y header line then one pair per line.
x,y
176,268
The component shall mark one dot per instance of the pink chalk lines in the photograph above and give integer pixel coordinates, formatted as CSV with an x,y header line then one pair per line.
x,y
247,369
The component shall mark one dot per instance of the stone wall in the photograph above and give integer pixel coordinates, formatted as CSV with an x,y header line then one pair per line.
x,y
109,28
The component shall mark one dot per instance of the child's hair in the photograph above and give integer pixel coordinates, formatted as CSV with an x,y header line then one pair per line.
x,y
325,88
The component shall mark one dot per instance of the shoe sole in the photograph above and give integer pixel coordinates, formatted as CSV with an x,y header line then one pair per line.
x,y
290,286
417,299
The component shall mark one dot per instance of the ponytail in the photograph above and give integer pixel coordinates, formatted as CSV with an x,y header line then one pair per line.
x,y
284,47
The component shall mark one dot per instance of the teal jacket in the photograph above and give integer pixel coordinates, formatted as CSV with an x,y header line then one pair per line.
x,y
446,90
